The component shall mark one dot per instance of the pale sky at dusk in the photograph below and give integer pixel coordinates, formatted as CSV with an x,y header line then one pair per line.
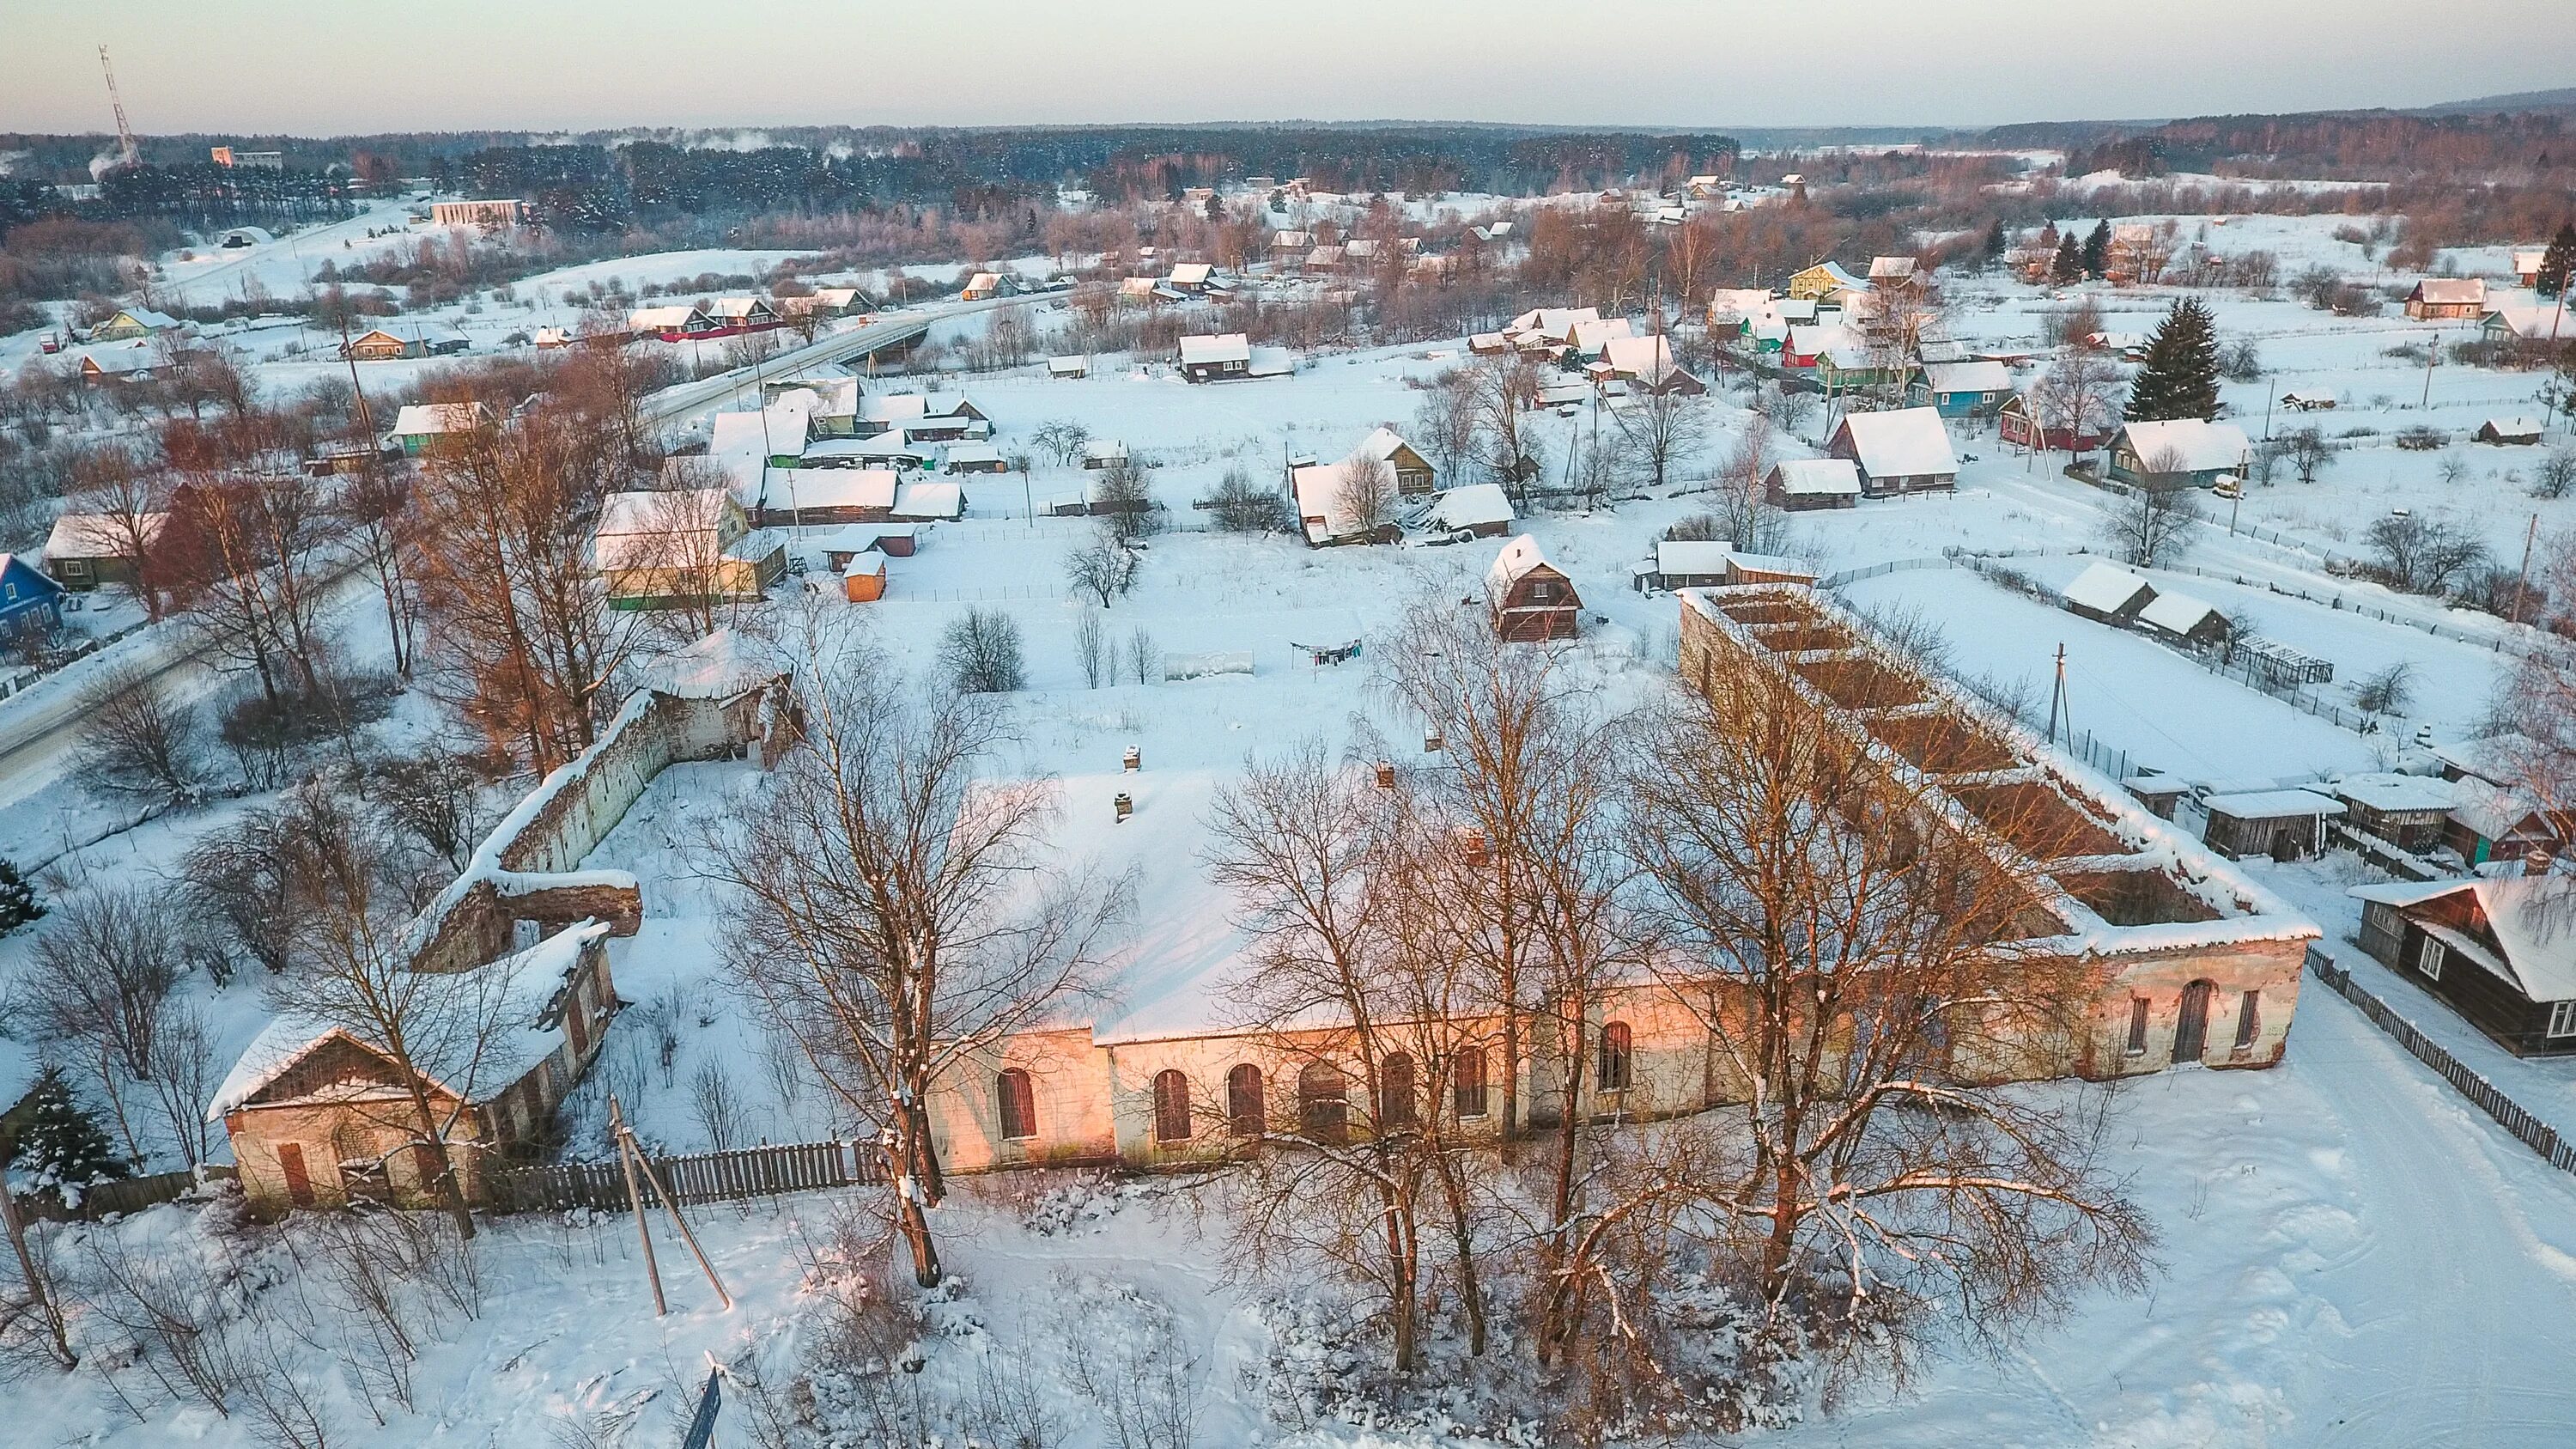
x,y
266,66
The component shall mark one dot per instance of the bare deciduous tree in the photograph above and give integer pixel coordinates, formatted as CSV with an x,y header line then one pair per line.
x,y
1101,566
891,912
136,743
1366,497
104,972
2152,527
1855,957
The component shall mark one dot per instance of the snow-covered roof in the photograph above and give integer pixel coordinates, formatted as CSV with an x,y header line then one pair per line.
x,y
2515,427
1904,443
2272,804
1969,377
2528,259
1270,362
2533,918
1223,347
2451,291
724,664
1515,562
1554,323
1594,333
147,318
984,282
1068,366
136,355
2177,613
1474,506
1191,274
2497,759
1843,344
2200,445
1692,556
666,318
1646,358
2493,812
930,500
1891,269
100,535
2384,790
526,985
956,453
804,488
661,511
1738,302
423,330
2532,324
425,419
1104,450
1817,477
1776,565
2106,588
1835,274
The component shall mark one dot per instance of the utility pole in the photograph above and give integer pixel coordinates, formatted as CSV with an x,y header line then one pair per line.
x,y
2432,357
2057,702
635,1199
2522,582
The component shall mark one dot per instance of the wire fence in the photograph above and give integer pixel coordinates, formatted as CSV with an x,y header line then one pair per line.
x,y
2511,1115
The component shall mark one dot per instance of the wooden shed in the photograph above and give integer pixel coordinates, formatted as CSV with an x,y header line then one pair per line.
x,y
2282,824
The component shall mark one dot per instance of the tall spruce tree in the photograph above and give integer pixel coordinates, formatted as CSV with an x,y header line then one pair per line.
x,y
2069,266
61,1144
1995,239
2180,377
2560,260
2097,248
18,903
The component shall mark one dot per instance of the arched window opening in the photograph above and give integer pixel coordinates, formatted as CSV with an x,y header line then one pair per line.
x,y
1467,1082
1019,1100
1613,1073
1243,1101
1171,1107
1395,1093
1323,1102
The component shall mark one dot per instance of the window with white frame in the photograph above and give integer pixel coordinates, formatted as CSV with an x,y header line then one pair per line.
x,y
2562,1018
2429,960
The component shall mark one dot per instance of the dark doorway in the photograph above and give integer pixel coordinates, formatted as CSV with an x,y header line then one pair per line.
x,y
2191,1031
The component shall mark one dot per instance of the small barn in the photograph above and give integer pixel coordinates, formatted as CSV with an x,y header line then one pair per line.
x,y
391,341
1530,599
928,502
863,578
2509,432
2108,593
1220,358
2179,616
1768,568
27,597
1687,563
2501,953
972,458
1479,510
1800,484
2447,299
1102,453
2281,824
2490,822
2177,453
805,497
1907,451
1646,364
2407,811
1071,368
426,427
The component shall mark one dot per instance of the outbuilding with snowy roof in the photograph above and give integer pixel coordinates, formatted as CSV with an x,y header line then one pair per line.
x,y
1906,451
2499,951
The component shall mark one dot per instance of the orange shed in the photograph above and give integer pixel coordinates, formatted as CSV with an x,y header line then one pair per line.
x,y
865,578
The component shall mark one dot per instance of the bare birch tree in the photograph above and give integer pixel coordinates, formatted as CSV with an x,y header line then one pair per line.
x,y
892,913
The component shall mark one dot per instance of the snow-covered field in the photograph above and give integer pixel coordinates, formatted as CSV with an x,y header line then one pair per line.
x,y
2350,1254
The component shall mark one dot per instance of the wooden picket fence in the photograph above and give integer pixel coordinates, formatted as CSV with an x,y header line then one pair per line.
x,y
133,1194
2535,1134
734,1176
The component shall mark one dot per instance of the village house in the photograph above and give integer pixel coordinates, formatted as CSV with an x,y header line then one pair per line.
x,y
1966,389
1823,278
1068,368
425,428
2500,952
839,301
1686,563
1589,336
682,546
134,361
1729,308
671,322
983,286
1221,358
1892,271
2527,262
2499,822
2136,254
320,1116
1287,248
2409,812
408,337
1646,365
134,322
28,599
1907,451
1530,599
2178,453
2281,824
85,550
1800,484
2180,618
2513,324
1103,453
2037,420
1191,278
742,314
1414,475
2447,299
971,457
1332,512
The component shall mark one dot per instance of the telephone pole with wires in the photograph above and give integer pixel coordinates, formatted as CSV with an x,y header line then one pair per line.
x,y
2057,709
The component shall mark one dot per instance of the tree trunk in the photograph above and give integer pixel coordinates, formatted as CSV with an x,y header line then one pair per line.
x,y
1462,1237
451,1193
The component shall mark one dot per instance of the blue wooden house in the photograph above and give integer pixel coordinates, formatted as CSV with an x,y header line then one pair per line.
x,y
26,594
1965,389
